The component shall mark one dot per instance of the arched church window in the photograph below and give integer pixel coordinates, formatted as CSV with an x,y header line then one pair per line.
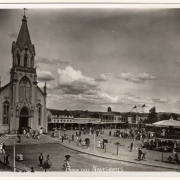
x,y
25,60
6,106
32,64
17,59
39,109
25,90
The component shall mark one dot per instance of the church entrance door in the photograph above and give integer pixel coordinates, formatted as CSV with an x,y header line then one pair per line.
x,y
24,118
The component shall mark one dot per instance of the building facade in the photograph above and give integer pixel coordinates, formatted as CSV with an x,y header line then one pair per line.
x,y
22,102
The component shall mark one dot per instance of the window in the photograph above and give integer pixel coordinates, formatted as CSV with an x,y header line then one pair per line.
x,y
25,90
25,60
17,59
32,65
6,113
39,109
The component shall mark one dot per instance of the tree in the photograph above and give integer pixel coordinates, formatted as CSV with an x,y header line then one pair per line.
x,y
109,109
152,117
164,117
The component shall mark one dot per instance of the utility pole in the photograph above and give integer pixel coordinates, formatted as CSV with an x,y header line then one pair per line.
x,y
14,157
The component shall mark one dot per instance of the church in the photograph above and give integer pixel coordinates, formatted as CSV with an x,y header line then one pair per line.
x,y
22,102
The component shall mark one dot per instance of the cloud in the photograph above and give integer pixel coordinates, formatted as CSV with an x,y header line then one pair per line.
x,y
13,35
160,100
52,61
71,81
45,76
140,78
102,77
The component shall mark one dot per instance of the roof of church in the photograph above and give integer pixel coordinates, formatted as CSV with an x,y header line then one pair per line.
x,y
4,87
24,36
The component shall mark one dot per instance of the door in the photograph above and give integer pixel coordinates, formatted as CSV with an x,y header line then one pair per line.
x,y
24,117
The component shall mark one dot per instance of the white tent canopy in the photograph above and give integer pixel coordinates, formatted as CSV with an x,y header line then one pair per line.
x,y
170,122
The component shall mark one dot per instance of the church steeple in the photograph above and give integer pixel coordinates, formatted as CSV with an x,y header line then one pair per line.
x,y
24,37
23,51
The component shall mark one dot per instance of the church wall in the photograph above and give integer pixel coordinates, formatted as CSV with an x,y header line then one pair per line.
x,y
42,100
4,93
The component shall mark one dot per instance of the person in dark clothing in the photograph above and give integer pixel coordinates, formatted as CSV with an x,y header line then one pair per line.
x,y
7,159
139,153
40,159
131,146
62,139
32,169
109,133
19,137
72,137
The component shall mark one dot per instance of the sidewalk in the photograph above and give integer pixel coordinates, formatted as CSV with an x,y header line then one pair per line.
x,y
154,158
9,141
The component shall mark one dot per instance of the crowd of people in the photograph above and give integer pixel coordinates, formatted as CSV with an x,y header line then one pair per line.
x,y
162,145
27,133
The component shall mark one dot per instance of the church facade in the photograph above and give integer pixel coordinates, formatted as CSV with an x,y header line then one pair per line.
x,y
22,102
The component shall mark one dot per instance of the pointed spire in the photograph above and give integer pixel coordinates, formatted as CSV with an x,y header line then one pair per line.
x,y
24,36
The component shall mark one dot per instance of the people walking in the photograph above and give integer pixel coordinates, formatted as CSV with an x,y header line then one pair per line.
x,y
32,169
38,135
80,141
19,137
131,146
40,159
109,133
72,137
47,159
139,153
7,159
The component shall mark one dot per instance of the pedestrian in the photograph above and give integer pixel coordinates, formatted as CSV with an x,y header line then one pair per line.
x,y
80,141
139,153
131,147
7,159
24,132
47,159
62,139
99,144
76,133
32,169
40,159
28,134
3,148
38,135
144,153
109,133
19,137
72,137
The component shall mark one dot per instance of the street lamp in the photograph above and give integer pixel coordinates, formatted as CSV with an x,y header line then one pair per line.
x,y
117,144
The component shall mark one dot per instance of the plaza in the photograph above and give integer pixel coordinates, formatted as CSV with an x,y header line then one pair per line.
x,y
83,158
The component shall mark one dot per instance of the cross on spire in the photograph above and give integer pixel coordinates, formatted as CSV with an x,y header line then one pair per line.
x,y
24,11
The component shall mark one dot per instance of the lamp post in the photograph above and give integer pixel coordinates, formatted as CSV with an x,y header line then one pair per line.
x,y
117,144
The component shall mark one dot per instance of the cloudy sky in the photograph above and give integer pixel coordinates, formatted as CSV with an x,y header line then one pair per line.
x,y
95,58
